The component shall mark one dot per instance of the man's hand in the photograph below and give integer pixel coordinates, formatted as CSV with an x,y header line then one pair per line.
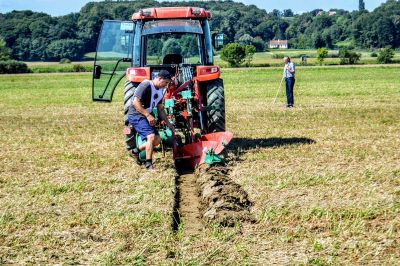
x,y
151,120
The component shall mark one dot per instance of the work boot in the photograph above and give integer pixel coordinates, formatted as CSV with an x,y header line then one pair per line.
x,y
134,152
149,165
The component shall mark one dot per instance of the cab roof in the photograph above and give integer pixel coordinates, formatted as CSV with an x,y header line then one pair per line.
x,y
171,13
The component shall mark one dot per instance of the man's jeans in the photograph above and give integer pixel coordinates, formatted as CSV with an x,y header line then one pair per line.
x,y
289,91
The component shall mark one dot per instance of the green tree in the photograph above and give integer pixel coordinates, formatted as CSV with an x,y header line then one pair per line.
x,y
246,39
322,53
276,13
250,50
154,46
90,20
65,28
21,49
12,66
265,30
288,13
5,52
233,53
68,48
259,44
37,49
315,12
230,24
348,57
171,46
384,32
318,41
189,46
386,55
361,5
327,38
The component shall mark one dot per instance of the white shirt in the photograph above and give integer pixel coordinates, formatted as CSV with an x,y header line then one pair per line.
x,y
287,73
156,97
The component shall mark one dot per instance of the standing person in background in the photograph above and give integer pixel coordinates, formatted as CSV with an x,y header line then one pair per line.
x,y
288,74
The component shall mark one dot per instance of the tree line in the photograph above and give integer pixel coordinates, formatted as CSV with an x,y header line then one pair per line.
x,y
33,36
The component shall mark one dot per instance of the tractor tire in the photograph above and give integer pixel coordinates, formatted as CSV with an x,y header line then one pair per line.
x,y
129,91
130,139
215,106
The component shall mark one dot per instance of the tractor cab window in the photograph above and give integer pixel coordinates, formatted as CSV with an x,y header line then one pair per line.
x,y
116,40
173,48
168,26
173,42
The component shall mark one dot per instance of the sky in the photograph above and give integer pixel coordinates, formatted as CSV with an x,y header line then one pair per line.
x,y
63,7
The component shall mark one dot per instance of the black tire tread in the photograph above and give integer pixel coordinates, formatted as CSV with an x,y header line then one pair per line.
x,y
216,98
129,90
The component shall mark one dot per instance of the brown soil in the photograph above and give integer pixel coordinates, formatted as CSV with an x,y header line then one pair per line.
x,y
189,203
208,195
222,200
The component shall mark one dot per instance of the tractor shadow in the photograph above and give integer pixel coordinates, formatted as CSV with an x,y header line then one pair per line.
x,y
240,146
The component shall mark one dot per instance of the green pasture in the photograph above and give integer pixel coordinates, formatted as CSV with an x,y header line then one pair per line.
x,y
56,67
272,58
324,176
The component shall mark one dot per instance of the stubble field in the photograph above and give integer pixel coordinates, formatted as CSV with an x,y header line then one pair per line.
x,y
324,177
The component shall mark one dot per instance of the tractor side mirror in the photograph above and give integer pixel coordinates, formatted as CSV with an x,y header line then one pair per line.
x,y
96,71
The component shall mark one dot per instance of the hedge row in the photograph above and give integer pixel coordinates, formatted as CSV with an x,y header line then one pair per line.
x,y
62,68
12,67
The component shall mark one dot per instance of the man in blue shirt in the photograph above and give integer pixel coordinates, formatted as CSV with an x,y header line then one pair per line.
x,y
288,74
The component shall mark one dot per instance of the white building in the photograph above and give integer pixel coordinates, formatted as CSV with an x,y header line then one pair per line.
x,y
280,44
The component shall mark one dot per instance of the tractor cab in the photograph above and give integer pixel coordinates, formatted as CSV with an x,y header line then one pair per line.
x,y
155,39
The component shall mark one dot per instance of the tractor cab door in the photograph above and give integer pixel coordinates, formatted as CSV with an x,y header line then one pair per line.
x,y
113,57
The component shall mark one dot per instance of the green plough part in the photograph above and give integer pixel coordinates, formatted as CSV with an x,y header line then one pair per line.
x,y
166,136
186,95
169,106
212,158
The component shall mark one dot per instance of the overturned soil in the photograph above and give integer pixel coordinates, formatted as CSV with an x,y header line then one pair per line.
x,y
222,200
208,195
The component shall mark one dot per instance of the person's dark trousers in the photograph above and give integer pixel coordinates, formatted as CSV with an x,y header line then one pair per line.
x,y
289,91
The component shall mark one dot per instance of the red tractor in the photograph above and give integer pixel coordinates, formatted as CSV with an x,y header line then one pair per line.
x,y
177,39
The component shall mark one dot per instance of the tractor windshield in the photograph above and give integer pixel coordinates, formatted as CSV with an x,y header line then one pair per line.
x,y
173,42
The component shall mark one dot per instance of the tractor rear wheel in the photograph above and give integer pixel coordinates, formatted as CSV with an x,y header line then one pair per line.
x,y
215,106
130,139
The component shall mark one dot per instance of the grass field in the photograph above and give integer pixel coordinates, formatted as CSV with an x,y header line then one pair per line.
x,y
274,57
324,177
263,59
56,67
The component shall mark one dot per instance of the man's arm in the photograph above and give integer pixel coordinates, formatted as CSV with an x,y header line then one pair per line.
x,y
163,116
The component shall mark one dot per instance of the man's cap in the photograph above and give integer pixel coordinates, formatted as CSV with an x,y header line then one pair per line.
x,y
164,74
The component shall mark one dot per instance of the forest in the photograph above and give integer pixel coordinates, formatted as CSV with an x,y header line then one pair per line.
x,y
33,36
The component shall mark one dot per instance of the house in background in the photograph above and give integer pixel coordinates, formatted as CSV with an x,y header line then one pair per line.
x,y
280,44
329,13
